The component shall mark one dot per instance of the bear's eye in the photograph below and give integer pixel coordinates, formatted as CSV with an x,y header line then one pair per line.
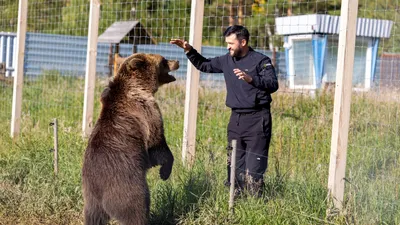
x,y
164,62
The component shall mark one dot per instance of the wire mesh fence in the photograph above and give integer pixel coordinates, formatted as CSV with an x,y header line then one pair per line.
x,y
304,56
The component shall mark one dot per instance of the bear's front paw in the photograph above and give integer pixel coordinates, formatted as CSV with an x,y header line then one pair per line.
x,y
165,171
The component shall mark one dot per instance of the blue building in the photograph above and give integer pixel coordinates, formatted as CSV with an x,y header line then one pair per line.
x,y
311,48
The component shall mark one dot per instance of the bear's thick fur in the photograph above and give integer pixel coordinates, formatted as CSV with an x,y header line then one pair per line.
x,y
126,141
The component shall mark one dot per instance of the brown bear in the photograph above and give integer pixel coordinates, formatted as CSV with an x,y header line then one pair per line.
x,y
127,140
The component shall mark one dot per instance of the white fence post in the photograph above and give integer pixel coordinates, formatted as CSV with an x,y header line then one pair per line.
x,y
90,76
233,175
19,70
192,85
341,113
55,136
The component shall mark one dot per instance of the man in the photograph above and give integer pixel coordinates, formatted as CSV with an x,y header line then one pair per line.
x,y
250,79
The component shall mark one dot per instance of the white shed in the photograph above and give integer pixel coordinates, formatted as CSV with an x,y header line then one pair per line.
x,y
311,47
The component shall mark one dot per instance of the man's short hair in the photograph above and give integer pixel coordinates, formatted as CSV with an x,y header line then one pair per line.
x,y
240,31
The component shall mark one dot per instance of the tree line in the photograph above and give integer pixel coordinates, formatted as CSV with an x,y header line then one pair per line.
x,y
166,19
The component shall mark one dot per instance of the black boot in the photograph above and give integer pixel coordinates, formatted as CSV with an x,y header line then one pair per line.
x,y
255,187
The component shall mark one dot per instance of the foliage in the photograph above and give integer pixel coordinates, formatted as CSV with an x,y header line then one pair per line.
x,y
166,19
9,15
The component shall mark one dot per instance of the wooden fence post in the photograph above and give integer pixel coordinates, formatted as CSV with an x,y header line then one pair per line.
x,y
341,113
55,136
192,85
19,70
233,173
90,76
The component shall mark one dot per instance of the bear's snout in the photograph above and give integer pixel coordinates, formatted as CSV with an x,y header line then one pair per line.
x,y
173,65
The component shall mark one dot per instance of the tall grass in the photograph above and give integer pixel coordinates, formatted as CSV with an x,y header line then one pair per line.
x,y
296,180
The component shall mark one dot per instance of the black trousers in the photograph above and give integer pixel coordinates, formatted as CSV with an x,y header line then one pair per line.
x,y
253,134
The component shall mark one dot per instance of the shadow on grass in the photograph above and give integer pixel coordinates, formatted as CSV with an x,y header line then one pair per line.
x,y
170,203
275,185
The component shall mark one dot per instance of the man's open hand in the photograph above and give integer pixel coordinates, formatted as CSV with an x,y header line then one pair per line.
x,y
181,43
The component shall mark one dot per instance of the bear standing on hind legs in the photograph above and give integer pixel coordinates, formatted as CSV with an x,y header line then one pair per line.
x,y
127,140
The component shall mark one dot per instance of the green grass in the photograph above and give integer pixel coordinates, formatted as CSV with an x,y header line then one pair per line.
x,y
296,180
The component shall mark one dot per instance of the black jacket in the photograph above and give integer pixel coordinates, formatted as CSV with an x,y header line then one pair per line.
x,y
242,96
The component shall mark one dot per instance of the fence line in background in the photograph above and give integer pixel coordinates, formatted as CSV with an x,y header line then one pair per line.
x,y
38,59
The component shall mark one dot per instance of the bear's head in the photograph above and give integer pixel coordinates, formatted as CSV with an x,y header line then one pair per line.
x,y
146,71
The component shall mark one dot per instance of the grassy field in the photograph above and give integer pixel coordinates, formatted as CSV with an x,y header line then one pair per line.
x,y
296,180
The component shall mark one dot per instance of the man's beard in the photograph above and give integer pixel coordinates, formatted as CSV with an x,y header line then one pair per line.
x,y
236,53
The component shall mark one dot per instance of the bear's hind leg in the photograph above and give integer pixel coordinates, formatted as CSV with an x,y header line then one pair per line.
x,y
129,204
94,213
137,213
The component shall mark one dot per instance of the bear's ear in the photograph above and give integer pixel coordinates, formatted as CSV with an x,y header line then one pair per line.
x,y
135,63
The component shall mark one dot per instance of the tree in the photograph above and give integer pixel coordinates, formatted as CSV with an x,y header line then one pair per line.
x,y
9,15
166,19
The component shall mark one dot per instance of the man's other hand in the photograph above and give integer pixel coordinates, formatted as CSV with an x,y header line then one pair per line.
x,y
242,75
